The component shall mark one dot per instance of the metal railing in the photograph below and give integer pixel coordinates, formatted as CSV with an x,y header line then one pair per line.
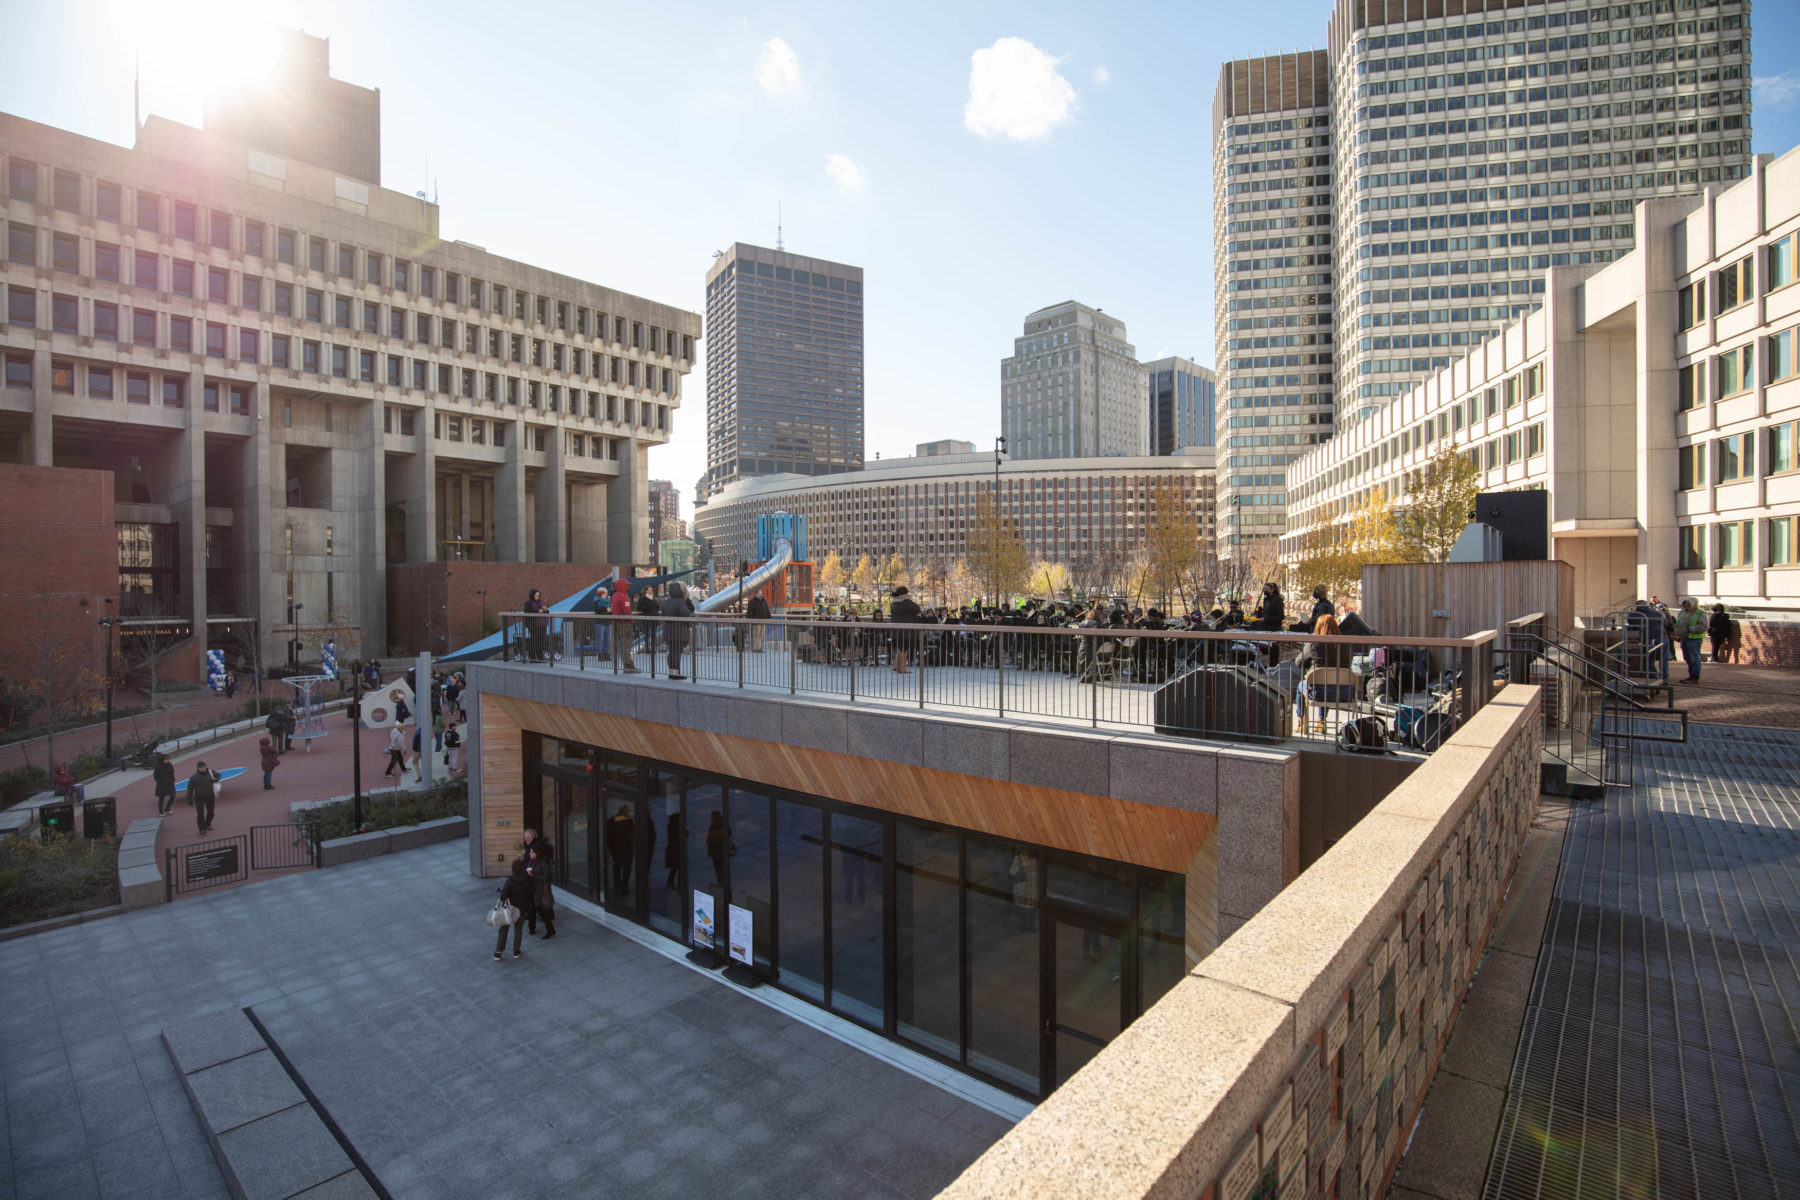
x,y
1257,685
1593,714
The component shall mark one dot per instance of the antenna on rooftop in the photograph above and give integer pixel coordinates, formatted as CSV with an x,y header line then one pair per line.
x,y
778,245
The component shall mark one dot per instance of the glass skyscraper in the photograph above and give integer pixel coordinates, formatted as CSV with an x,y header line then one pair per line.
x,y
784,366
1181,404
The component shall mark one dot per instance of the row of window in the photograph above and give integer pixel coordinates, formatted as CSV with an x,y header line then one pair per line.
x,y
1733,372
139,387
642,414
1638,11
1734,285
310,304
1734,457
222,230
140,326
1732,544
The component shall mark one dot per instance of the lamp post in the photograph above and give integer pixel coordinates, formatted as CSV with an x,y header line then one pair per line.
x,y
999,454
356,695
109,622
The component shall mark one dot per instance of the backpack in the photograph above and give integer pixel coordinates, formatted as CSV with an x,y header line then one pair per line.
x,y
1363,735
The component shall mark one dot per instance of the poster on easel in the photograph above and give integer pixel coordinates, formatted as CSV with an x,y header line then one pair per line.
x,y
739,933
703,919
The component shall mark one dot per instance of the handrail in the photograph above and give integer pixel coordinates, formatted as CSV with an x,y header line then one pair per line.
x,y
1568,645
1241,683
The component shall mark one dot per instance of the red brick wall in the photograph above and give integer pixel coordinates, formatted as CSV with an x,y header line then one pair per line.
x,y
1770,643
449,596
59,548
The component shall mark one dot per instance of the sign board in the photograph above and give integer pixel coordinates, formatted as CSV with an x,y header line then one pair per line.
x,y
741,931
703,919
211,864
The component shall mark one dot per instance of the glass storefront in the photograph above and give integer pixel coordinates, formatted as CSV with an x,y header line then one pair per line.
x,y
1013,962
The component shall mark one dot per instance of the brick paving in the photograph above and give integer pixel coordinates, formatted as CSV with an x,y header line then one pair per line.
x,y
1734,694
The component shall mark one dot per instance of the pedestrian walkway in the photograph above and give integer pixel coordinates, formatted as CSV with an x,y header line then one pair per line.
x,y
178,710
318,774
592,1067
1660,1052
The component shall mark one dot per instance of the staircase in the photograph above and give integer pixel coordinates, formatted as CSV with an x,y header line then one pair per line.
x,y
1595,712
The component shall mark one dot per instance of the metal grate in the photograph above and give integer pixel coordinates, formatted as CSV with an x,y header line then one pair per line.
x,y
1660,1051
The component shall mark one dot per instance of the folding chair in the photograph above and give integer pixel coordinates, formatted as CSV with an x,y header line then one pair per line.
x,y
1326,688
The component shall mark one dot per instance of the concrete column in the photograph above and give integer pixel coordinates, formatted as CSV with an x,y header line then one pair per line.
x,y
509,497
258,520
1655,361
550,498
364,544
420,497
587,522
628,506
186,498
41,446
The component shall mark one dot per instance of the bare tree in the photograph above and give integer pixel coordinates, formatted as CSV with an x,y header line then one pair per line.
x,y
997,553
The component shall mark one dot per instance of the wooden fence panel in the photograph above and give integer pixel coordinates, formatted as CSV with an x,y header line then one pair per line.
x,y
1407,599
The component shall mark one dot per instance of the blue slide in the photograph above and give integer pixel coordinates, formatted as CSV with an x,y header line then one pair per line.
x,y
227,773
582,601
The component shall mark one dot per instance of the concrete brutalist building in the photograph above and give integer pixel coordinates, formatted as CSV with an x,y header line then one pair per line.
x,y
297,382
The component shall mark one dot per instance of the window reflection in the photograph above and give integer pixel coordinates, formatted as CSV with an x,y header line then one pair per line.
x,y
1002,936
856,918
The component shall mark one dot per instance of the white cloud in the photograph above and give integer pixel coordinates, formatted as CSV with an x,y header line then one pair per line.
x,y
1102,75
1015,91
851,177
778,69
1775,89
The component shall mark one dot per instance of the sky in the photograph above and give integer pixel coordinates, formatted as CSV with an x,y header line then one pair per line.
x,y
977,160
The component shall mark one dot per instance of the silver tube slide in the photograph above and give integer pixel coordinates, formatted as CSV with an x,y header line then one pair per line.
x,y
748,586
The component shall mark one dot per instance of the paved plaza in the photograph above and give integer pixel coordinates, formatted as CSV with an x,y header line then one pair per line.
x,y
594,1066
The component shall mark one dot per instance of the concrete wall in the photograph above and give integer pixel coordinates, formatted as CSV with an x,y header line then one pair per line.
x,y
437,606
1293,1060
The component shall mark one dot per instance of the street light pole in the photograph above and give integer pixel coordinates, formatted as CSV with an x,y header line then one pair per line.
x,y
356,754
999,453
109,622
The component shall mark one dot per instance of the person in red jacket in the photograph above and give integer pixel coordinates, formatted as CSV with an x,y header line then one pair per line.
x,y
270,760
621,634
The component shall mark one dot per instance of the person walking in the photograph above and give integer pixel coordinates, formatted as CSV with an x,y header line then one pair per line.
x,y
519,892
621,634
537,629
538,865
676,604
163,773
1690,632
396,753
201,790
902,610
270,760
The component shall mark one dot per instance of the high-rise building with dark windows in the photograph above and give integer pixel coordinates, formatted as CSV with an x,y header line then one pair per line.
x,y
784,372
1182,394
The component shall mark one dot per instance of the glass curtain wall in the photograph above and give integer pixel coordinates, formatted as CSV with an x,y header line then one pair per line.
x,y
1011,961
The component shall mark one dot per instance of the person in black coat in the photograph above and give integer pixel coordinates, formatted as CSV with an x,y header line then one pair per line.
x,y
675,634
903,610
537,865
757,610
519,892
1272,610
1322,607
164,775
621,849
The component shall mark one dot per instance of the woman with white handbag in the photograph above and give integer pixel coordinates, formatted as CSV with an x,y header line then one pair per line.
x,y
512,909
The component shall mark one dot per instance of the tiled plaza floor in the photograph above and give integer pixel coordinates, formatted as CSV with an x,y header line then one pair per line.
x,y
591,1067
